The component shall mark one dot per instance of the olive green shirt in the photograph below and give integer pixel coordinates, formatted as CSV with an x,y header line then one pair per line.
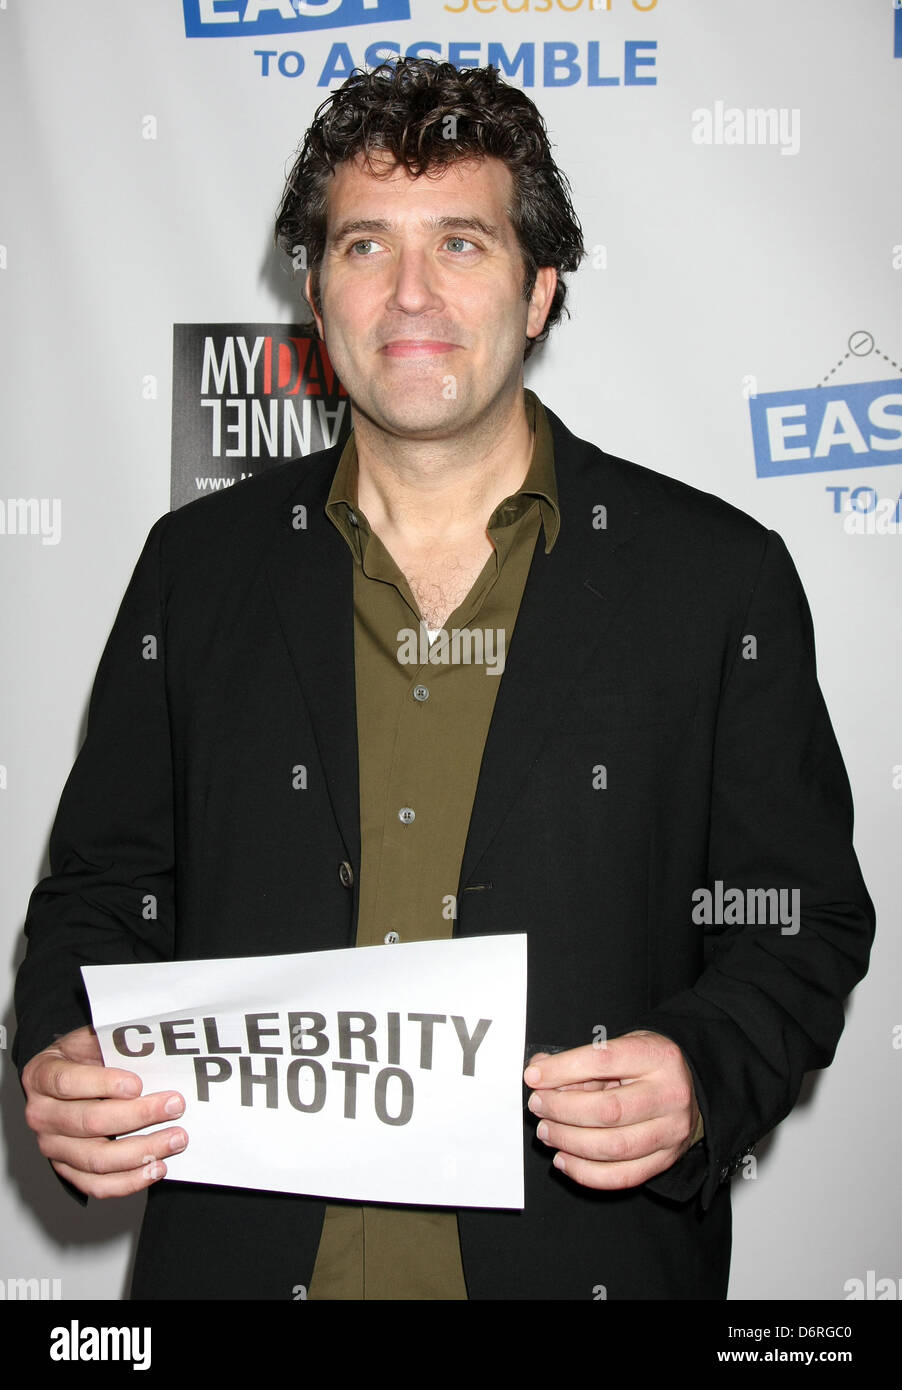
x,y
423,713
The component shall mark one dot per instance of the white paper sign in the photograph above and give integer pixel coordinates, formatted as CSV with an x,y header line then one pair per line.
x,y
378,1074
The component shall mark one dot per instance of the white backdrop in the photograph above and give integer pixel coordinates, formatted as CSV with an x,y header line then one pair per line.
x,y
141,172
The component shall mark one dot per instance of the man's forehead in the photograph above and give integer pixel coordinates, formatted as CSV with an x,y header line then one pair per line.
x,y
471,186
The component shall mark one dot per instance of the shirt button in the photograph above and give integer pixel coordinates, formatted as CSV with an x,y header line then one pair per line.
x,y
391,937
346,874
352,517
407,814
420,692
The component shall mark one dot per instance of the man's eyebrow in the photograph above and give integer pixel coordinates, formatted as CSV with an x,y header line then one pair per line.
x,y
449,223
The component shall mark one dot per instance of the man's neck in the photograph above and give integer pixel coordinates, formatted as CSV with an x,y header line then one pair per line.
x,y
421,492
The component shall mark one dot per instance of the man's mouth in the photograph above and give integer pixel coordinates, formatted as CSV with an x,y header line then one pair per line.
x,y
417,347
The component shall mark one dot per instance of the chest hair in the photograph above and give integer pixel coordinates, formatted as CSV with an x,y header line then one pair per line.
x,y
441,580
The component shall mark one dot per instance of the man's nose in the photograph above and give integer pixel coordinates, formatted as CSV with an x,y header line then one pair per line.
x,y
415,288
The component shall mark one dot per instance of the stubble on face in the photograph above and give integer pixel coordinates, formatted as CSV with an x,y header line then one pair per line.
x,y
422,297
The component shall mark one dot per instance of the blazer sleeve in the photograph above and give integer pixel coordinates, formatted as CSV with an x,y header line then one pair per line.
x,y
109,895
769,1005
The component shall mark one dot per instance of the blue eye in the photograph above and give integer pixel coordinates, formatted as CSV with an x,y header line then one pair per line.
x,y
462,241
367,242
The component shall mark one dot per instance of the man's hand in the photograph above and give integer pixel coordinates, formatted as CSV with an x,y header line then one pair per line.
x,y
618,1114
76,1105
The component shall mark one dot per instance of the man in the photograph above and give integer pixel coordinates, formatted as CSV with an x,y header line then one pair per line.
x,y
657,733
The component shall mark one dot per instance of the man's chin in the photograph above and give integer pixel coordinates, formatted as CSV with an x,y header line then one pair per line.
x,y
411,415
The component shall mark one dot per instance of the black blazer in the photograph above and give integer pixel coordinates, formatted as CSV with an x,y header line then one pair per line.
x,y
631,654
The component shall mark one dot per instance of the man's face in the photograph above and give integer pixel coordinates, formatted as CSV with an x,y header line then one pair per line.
x,y
421,292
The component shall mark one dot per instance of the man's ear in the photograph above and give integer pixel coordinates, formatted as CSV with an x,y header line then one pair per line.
x,y
311,300
540,300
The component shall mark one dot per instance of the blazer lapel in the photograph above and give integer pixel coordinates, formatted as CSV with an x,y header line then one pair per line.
x,y
311,574
570,598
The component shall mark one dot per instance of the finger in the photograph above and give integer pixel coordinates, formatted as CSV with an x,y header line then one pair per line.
x,y
93,1119
101,1156
613,1177
624,1144
604,1107
589,1085
629,1057
574,1066
53,1074
113,1184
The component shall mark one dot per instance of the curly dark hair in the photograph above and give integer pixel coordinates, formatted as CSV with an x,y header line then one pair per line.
x,y
403,108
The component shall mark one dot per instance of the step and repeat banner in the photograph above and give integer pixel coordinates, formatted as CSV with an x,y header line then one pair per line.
x,y
735,324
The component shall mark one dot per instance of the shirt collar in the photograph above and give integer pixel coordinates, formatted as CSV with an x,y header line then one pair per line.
x,y
540,482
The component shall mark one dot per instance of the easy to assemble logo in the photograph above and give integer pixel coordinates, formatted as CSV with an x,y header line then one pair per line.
x,y
604,58
834,424
221,19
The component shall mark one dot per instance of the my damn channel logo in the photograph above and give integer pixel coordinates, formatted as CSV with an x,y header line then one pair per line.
x,y
222,19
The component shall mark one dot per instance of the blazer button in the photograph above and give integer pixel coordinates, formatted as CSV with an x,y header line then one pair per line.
x,y
346,874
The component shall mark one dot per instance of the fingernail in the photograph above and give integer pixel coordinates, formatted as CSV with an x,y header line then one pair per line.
x,y
178,1142
532,1076
559,1163
542,1131
535,1104
174,1105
